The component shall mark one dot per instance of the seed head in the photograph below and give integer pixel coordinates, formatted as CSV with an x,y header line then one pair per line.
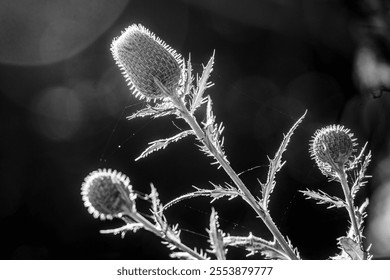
x,y
107,194
332,148
144,57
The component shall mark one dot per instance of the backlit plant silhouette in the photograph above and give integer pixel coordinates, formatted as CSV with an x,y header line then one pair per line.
x,y
156,73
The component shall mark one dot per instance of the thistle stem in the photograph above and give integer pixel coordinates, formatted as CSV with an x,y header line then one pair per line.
x,y
163,235
350,205
246,194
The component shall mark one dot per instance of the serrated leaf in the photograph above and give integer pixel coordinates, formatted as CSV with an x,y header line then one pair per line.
x,y
155,111
295,250
323,198
202,85
163,143
216,237
209,112
360,215
216,193
124,229
362,209
276,164
181,256
186,256
189,79
156,209
361,175
213,135
342,256
351,248
253,244
144,112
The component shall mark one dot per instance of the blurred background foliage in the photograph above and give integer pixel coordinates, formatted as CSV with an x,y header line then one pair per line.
x,y
64,105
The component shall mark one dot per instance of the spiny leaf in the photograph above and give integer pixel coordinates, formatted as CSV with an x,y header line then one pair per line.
x,y
213,135
181,256
342,256
124,229
173,242
360,215
163,143
216,193
276,164
172,239
216,236
253,244
171,234
209,112
155,111
361,175
202,85
324,198
362,211
351,248
295,250
156,209
186,256
188,79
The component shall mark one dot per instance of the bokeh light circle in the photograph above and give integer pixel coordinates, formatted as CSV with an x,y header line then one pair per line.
x,y
41,32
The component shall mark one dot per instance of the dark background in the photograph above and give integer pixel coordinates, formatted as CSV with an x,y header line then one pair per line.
x,y
64,105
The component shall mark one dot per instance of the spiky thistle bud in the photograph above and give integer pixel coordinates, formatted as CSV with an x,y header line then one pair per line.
x,y
107,194
144,57
332,147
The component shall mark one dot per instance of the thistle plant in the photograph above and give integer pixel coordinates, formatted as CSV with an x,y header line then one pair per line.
x,y
108,194
158,74
333,149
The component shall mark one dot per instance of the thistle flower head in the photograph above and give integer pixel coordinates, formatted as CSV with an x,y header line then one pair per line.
x,y
144,57
332,147
107,194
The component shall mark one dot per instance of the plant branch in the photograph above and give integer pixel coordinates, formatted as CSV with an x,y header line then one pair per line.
x,y
163,235
246,194
350,205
